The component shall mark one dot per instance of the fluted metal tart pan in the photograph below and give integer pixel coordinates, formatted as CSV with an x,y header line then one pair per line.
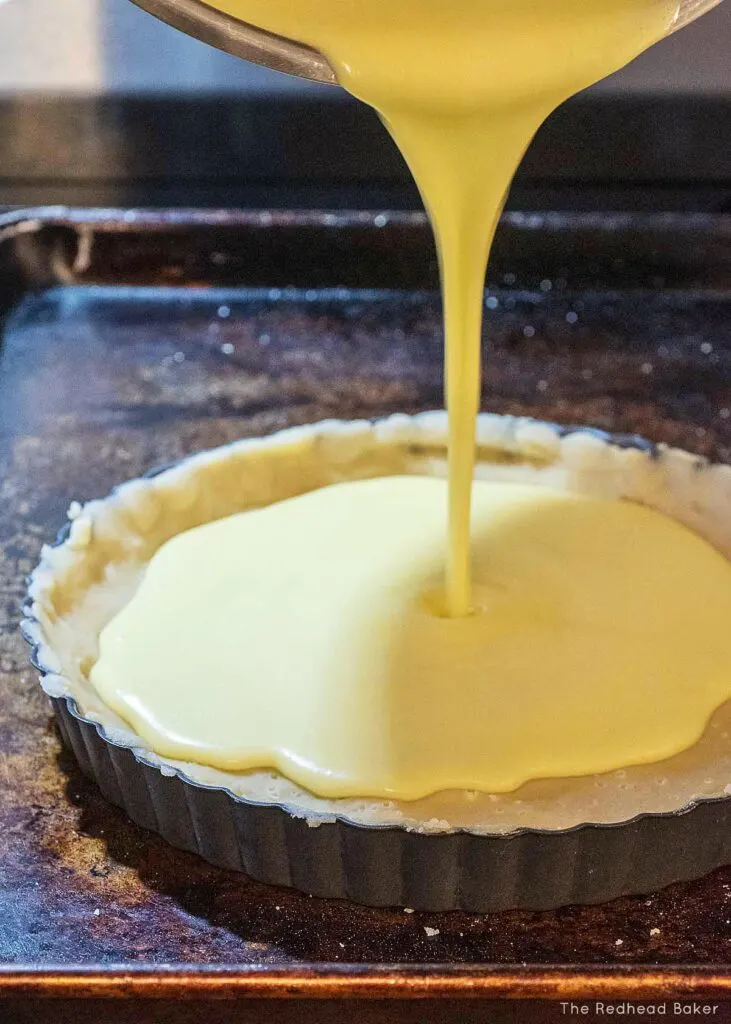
x,y
384,865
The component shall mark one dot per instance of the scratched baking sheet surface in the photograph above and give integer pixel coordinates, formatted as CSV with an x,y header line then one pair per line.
x,y
102,381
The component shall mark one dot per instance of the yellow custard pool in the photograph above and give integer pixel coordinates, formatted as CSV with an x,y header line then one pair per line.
x,y
309,636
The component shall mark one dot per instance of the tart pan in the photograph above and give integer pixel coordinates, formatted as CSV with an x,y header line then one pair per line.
x,y
386,865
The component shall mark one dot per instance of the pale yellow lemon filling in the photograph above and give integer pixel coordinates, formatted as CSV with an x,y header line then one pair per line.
x,y
306,636
379,639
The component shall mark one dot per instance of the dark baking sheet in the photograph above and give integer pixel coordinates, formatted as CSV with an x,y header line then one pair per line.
x,y
131,339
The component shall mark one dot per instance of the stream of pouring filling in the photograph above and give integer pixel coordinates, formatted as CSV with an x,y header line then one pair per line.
x,y
463,87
